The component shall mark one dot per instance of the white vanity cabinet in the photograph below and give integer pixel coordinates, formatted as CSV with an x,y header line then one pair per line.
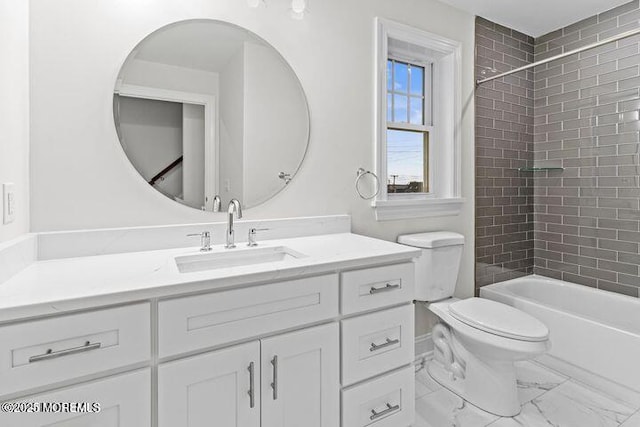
x,y
217,388
331,349
289,380
300,378
363,353
377,342
125,401
386,401
378,346
204,321
42,352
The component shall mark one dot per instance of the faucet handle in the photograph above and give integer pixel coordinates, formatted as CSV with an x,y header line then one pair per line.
x,y
251,241
205,240
204,234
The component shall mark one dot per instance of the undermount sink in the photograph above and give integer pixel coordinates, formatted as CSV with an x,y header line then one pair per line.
x,y
235,258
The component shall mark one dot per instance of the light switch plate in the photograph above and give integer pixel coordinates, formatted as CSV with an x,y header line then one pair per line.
x,y
8,202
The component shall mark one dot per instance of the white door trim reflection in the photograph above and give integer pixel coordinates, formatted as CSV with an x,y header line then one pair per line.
x,y
211,142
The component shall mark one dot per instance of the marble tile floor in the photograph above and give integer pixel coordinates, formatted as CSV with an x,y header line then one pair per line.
x,y
548,399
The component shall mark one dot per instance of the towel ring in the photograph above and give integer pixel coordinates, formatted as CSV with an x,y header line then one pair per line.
x,y
361,173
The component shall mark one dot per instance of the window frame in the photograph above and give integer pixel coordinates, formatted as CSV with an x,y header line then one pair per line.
x,y
427,83
444,196
426,129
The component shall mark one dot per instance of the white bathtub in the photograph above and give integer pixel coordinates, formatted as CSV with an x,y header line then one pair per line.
x,y
594,330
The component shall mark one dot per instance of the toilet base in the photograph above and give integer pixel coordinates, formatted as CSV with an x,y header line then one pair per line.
x,y
488,383
490,389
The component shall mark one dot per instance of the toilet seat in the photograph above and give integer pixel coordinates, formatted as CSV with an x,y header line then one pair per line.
x,y
499,319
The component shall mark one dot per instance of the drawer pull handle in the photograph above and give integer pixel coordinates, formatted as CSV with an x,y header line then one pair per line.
x,y
274,384
386,288
252,398
388,343
375,415
50,354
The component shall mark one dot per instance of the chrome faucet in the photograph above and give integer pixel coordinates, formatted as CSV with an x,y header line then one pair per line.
x,y
234,206
217,203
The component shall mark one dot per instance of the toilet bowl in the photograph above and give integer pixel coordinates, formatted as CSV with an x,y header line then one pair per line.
x,y
477,341
476,344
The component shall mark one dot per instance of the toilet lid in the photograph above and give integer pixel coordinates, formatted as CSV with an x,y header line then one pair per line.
x,y
499,319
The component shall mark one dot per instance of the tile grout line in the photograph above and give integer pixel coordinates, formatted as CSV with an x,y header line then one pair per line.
x,y
629,417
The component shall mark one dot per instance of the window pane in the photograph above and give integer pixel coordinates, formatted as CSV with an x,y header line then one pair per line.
x,y
417,80
389,107
417,113
405,161
400,113
401,77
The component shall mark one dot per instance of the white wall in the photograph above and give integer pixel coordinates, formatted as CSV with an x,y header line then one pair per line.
x,y
78,46
14,111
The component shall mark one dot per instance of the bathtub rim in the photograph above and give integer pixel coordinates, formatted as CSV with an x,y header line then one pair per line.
x,y
502,288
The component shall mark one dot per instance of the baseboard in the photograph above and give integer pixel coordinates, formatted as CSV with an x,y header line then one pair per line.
x,y
424,347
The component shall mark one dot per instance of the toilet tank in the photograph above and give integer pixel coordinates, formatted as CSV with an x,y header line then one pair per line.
x,y
438,266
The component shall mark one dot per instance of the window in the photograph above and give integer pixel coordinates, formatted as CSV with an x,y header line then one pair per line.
x,y
408,119
417,114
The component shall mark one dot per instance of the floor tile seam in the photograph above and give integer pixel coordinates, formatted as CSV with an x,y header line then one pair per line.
x,y
427,394
602,393
547,391
629,417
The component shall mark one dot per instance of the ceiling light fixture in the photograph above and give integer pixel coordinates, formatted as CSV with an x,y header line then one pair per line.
x,y
255,3
298,9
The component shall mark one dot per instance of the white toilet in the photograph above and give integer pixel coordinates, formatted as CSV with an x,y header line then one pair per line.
x,y
477,340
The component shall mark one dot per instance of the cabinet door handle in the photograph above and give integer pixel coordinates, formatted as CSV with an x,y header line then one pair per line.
x,y
388,343
274,384
386,288
50,354
252,398
375,415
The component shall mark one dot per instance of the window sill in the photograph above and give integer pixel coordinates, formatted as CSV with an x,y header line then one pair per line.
x,y
389,210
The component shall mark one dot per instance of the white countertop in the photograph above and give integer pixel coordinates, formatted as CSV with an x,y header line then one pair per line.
x,y
53,286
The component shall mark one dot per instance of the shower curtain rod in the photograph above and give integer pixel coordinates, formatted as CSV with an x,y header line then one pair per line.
x,y
562,55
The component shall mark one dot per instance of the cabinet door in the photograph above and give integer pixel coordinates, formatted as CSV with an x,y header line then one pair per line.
x,y
219,389
125,401
300,378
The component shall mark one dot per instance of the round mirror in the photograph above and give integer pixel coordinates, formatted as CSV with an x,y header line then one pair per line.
x,y
207,112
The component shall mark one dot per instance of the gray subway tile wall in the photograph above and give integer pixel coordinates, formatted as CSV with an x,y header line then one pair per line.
x,y
583,223
587,222
504,143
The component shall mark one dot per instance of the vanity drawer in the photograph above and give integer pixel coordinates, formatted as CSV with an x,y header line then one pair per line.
x,y
192,323
373,288
387,401
43,352
125,401
375,343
